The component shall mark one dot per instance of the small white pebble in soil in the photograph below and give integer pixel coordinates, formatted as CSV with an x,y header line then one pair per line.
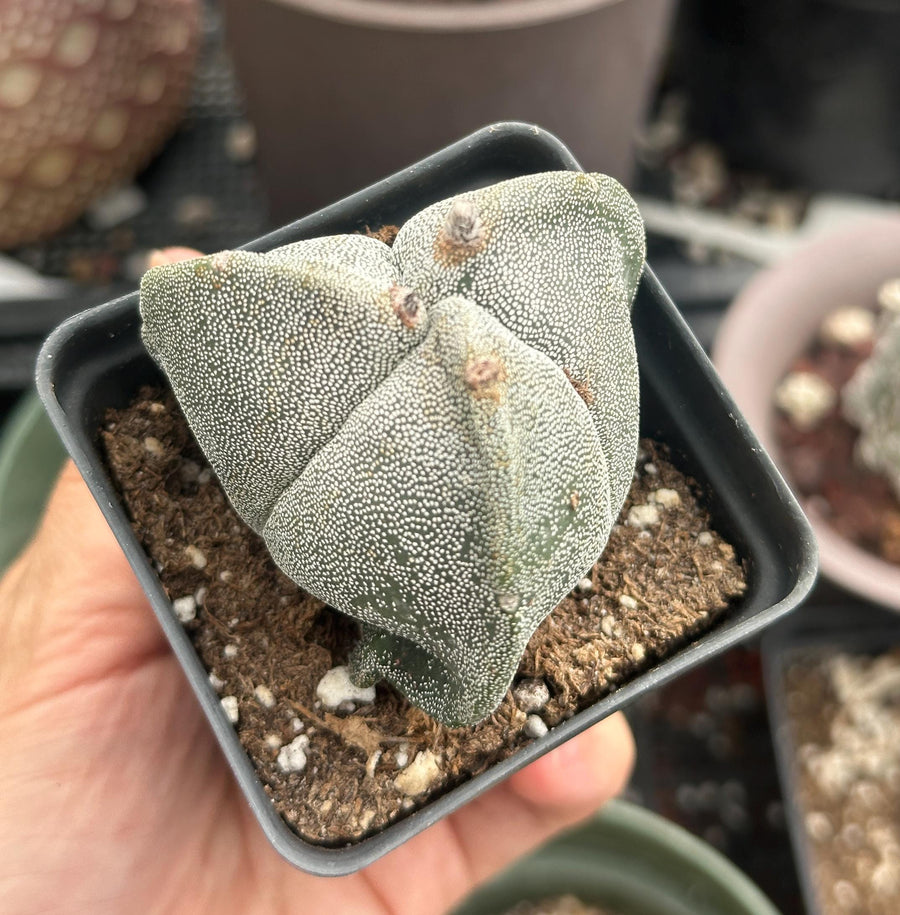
x,y
585,586
889,295
200,596
420,775
230,704
225,575
336,688
643,516
230,650
628,602
638,652
154,446
851,326
365,819
204,476
185,608
534,727
608,626
297,724
264,696
292,756
402,756
818,826
273,742
805,398
216,682
531,695
196,556
705,538
667,498
651,469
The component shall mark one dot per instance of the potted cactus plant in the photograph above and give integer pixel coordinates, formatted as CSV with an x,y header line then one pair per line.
x,y
434,436
786,349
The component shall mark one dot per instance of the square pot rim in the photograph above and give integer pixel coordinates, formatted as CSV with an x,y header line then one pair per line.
x,y
506,138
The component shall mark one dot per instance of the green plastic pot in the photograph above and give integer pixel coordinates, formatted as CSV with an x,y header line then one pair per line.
x,y
31,455
631,862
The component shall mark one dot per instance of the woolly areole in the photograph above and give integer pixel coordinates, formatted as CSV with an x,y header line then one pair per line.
x,y
434,438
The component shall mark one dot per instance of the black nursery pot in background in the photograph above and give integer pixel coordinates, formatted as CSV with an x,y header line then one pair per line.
x,y
96,361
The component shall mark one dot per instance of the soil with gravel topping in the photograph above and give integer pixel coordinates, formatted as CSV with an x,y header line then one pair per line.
x,y
266,643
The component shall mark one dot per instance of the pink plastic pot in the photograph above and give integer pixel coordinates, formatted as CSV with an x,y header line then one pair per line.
x,y
771,322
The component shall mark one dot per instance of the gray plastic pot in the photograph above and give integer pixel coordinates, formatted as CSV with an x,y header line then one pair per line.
x,y
631,862
345,91
96,361
772,322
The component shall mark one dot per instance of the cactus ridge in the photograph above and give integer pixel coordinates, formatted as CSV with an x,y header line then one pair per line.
x,y
434,438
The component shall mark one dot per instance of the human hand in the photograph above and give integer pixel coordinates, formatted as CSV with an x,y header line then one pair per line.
x,y
116,798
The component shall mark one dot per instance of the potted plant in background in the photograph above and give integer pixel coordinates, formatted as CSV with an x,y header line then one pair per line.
x,y
96,363
831,681
408,76
88,94
624,861
816,312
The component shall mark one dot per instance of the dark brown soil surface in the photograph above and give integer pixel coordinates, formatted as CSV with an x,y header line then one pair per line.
x,y
844,713
859,504
560,905
653,590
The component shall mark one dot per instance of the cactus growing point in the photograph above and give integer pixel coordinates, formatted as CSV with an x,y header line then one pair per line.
x,y
435,438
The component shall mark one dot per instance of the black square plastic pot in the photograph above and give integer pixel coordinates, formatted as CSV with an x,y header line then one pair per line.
x,y
96,361
855,628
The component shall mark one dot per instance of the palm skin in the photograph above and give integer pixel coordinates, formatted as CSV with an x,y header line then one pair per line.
x,y
116,800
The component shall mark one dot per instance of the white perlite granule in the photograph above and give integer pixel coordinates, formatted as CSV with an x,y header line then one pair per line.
x,y
230,704
185,608
419,775
292,756
531,695
667,498
336,688
643,516
264,696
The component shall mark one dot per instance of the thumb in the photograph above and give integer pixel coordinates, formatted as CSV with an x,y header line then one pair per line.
x,y
71,602
71,596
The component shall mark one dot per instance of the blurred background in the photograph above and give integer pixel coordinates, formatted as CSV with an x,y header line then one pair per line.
x,y
753,132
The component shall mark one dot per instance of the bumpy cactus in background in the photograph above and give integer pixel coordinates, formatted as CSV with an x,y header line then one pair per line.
x,y
434,438
871,401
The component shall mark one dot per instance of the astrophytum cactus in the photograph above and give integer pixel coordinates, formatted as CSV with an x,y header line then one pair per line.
x,y
871,401
435,437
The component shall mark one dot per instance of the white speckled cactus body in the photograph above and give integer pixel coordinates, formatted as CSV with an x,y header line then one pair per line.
x,y
871,401
435,437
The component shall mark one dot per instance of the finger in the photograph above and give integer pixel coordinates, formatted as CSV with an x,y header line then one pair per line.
x,y
597,764
554,792
172,255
